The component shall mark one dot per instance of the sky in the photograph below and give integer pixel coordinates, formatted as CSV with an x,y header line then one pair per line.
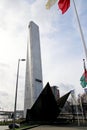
x,y
62,50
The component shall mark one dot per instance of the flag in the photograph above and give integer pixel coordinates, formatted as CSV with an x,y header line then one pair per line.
x,y
64,5
50,3
83,78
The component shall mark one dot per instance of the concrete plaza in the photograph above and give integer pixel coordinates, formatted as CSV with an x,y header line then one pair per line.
x,y
49,127
3,127
45,127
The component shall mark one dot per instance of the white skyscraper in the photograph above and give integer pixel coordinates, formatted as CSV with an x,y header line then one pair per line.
x,y
33,79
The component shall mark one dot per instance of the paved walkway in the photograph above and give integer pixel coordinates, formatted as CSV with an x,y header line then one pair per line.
x,y
3,127
49,128
57,128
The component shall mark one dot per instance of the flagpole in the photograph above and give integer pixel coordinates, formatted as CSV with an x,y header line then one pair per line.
x,y
77,114
81,109
81,32
74,99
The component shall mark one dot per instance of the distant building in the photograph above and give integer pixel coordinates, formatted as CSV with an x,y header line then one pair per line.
x,y
33,79
56,92
84,98
85,89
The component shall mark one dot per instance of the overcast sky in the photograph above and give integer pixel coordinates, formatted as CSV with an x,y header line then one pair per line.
x,y
61,46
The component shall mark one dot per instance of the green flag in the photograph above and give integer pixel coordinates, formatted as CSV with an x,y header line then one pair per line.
x,y
83,79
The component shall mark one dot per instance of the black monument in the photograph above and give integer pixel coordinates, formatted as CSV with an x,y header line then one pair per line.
x,y
46,108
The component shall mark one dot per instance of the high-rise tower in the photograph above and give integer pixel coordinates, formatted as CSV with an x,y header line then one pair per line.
x,y
33,79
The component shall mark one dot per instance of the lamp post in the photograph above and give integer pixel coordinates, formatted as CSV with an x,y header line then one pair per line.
x,y
16,92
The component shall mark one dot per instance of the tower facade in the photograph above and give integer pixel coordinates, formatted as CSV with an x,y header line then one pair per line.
x,y
33,79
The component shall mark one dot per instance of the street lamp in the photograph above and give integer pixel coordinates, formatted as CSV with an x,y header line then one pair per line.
x,y
16,92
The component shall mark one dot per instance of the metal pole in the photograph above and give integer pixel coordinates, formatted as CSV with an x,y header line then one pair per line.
x,y
82,109
16,95
75,102
16,92
81,32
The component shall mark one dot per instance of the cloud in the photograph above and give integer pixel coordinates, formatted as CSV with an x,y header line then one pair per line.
x,y
6,102
61,46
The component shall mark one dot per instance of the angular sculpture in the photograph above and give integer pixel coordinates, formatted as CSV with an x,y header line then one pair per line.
x,y
46,108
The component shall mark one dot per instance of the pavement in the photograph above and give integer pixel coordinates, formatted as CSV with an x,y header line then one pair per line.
x,y
3,127
57,128
48,127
